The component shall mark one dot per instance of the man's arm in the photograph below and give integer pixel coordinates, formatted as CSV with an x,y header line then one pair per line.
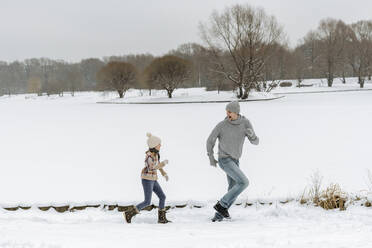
x,y
211,141
251,135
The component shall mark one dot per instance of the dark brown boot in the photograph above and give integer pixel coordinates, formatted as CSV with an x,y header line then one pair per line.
x,y
130,213
162,218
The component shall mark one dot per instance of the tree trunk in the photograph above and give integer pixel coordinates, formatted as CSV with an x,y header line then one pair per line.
x,y
246,93
330,74
240,92
121,93
343,78
361,81
170,93
330,80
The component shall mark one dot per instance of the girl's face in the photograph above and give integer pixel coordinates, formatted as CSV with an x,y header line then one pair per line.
x,y
158,147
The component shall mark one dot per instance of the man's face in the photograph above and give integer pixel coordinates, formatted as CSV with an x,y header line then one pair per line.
x,y
231,115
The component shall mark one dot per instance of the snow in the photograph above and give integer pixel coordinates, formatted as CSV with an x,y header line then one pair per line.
x,y
288,225
191,95
72,151
320,85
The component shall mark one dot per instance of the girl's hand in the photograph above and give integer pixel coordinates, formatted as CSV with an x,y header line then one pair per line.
x,y
166,177
165,161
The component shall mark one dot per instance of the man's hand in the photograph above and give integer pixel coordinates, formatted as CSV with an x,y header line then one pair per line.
x,y
212,161
252,136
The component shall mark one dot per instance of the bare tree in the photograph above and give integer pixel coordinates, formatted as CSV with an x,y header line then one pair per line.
x,y
361,49
332,35
247,36
168,73
215,80
12,78
5,79
300,65
34,85
74,78
198,56
312,53
276,68
119,76
89,69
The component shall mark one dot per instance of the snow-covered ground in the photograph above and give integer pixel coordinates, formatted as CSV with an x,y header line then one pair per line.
x,y
320,85
282,226
193,95
71,150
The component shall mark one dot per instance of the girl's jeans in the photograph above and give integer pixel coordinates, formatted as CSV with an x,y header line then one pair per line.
x,y
150,186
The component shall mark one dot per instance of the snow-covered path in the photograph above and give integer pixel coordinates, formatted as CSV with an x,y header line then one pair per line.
x,y
289,225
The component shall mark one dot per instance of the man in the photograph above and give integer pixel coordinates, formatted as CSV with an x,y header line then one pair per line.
x,y
231,133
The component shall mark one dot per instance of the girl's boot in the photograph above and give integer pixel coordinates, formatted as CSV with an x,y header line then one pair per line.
x,y
130,213
162,218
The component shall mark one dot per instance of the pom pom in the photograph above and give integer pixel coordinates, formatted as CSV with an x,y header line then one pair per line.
x,y
149,135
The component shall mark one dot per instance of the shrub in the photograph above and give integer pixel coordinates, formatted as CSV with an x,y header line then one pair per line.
x,y
315,187
333,197
285,84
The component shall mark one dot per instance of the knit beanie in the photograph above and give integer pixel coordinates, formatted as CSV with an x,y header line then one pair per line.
x,y
152,140
233,107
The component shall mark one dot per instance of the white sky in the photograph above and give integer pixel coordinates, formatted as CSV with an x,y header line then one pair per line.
x,y
77,29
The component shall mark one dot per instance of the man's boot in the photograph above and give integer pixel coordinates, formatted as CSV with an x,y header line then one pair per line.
x,y
217,217
130,213
221,210
162,218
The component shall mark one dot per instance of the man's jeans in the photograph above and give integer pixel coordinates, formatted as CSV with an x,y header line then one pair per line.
x,y
236,179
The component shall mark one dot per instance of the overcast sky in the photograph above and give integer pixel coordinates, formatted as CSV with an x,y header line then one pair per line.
x,y
76,29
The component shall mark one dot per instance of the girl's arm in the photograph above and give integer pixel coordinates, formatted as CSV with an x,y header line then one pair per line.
x,y
151,164
160,165
162,172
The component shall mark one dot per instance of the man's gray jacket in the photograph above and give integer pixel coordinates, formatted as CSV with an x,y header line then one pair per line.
x,y
231,135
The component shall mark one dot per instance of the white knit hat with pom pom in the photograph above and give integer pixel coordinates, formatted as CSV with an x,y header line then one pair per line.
x,y
152,140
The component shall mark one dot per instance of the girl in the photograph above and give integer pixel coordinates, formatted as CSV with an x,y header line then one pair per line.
x,y
149,181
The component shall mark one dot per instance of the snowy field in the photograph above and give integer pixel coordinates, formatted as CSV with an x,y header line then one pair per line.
x,y
71,150
285,226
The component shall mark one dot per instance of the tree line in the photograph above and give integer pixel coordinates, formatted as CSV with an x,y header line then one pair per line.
x,y
243,49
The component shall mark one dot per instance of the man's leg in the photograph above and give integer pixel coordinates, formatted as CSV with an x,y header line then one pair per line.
x,y
231,184
217,216
231,168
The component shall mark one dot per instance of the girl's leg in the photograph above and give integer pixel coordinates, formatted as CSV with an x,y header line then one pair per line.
x,y
148,186
159,192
